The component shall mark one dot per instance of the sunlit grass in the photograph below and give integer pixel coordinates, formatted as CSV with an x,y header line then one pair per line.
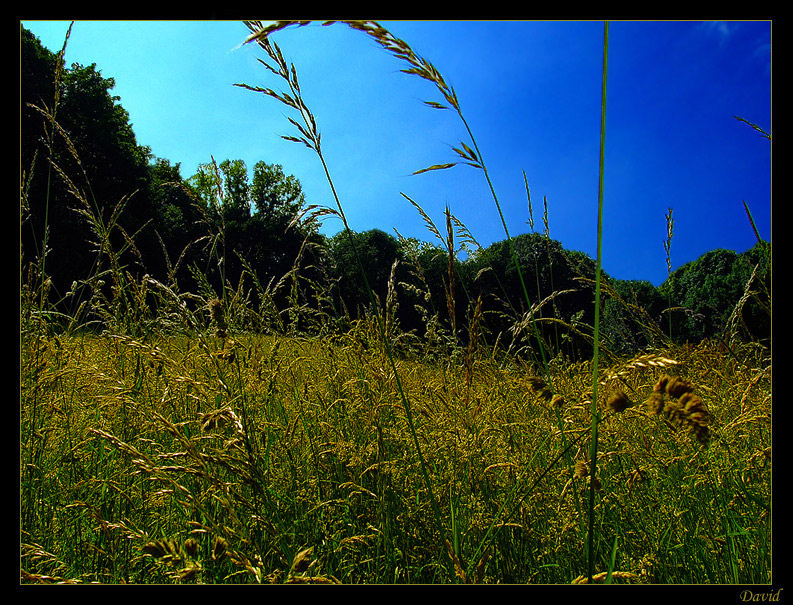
x,y
297,444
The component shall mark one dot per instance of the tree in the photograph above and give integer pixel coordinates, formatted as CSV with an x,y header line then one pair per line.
x,y
704,293
254,219
176,221
631,313
377,251
757,313
551,277
79,153
236,202
273,193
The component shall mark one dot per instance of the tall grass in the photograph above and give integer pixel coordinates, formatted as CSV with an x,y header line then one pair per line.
x,y
176,446
309,136
595,412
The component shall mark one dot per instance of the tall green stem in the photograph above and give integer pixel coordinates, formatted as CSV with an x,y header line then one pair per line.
x,y
595,412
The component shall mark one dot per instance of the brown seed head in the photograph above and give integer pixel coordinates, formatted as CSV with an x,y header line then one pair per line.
x,y
674,411
692,404
157,548
538,385
216,312
191,547
302,559
661,384
677,387
655,403
699,418
700,432
219,546
216,309
619,401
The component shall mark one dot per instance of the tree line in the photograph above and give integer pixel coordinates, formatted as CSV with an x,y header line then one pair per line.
x,y
87,185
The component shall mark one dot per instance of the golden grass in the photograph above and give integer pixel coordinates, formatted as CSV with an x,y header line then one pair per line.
x,y
224,469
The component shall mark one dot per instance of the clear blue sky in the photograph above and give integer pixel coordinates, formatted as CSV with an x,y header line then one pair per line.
x,y
531,94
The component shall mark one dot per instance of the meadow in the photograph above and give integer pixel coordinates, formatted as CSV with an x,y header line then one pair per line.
x,y
272,459
165,442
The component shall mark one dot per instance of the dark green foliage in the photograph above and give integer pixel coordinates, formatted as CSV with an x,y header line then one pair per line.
x,y
72,127
377,250
255,227
176,220
158,223
556,280
704,293
274,194
629,321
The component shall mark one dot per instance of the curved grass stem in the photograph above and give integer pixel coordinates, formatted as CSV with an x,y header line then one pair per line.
x,y
311,138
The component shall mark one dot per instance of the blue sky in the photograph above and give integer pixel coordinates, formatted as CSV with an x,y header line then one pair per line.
x,y
530,92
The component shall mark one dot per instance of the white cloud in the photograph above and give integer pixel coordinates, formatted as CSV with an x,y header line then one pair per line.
x,y
722,29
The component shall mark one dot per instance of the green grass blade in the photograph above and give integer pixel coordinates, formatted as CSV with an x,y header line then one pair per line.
x,y
595,413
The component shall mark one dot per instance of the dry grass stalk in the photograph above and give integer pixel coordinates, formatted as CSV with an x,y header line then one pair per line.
x,y
649,360
736,317
670,222
450,303
391,303
601,577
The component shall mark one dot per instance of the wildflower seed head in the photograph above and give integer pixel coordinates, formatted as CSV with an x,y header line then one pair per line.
x,y
581,469
191,547
660,386
538,386
216,313
219,546
674,411
619,402
655,403
697,425
156,549
677,387
692,404
216,309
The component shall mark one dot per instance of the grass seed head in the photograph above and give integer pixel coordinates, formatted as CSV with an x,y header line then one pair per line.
x,y
219,546
619,402
216,313
655,403
538,386
191,547
676,387
683,408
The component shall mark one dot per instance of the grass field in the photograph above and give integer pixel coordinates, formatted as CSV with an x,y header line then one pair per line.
x,y
189,450
275,459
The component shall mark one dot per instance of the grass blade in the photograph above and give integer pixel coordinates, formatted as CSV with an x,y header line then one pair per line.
x,y
595,412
